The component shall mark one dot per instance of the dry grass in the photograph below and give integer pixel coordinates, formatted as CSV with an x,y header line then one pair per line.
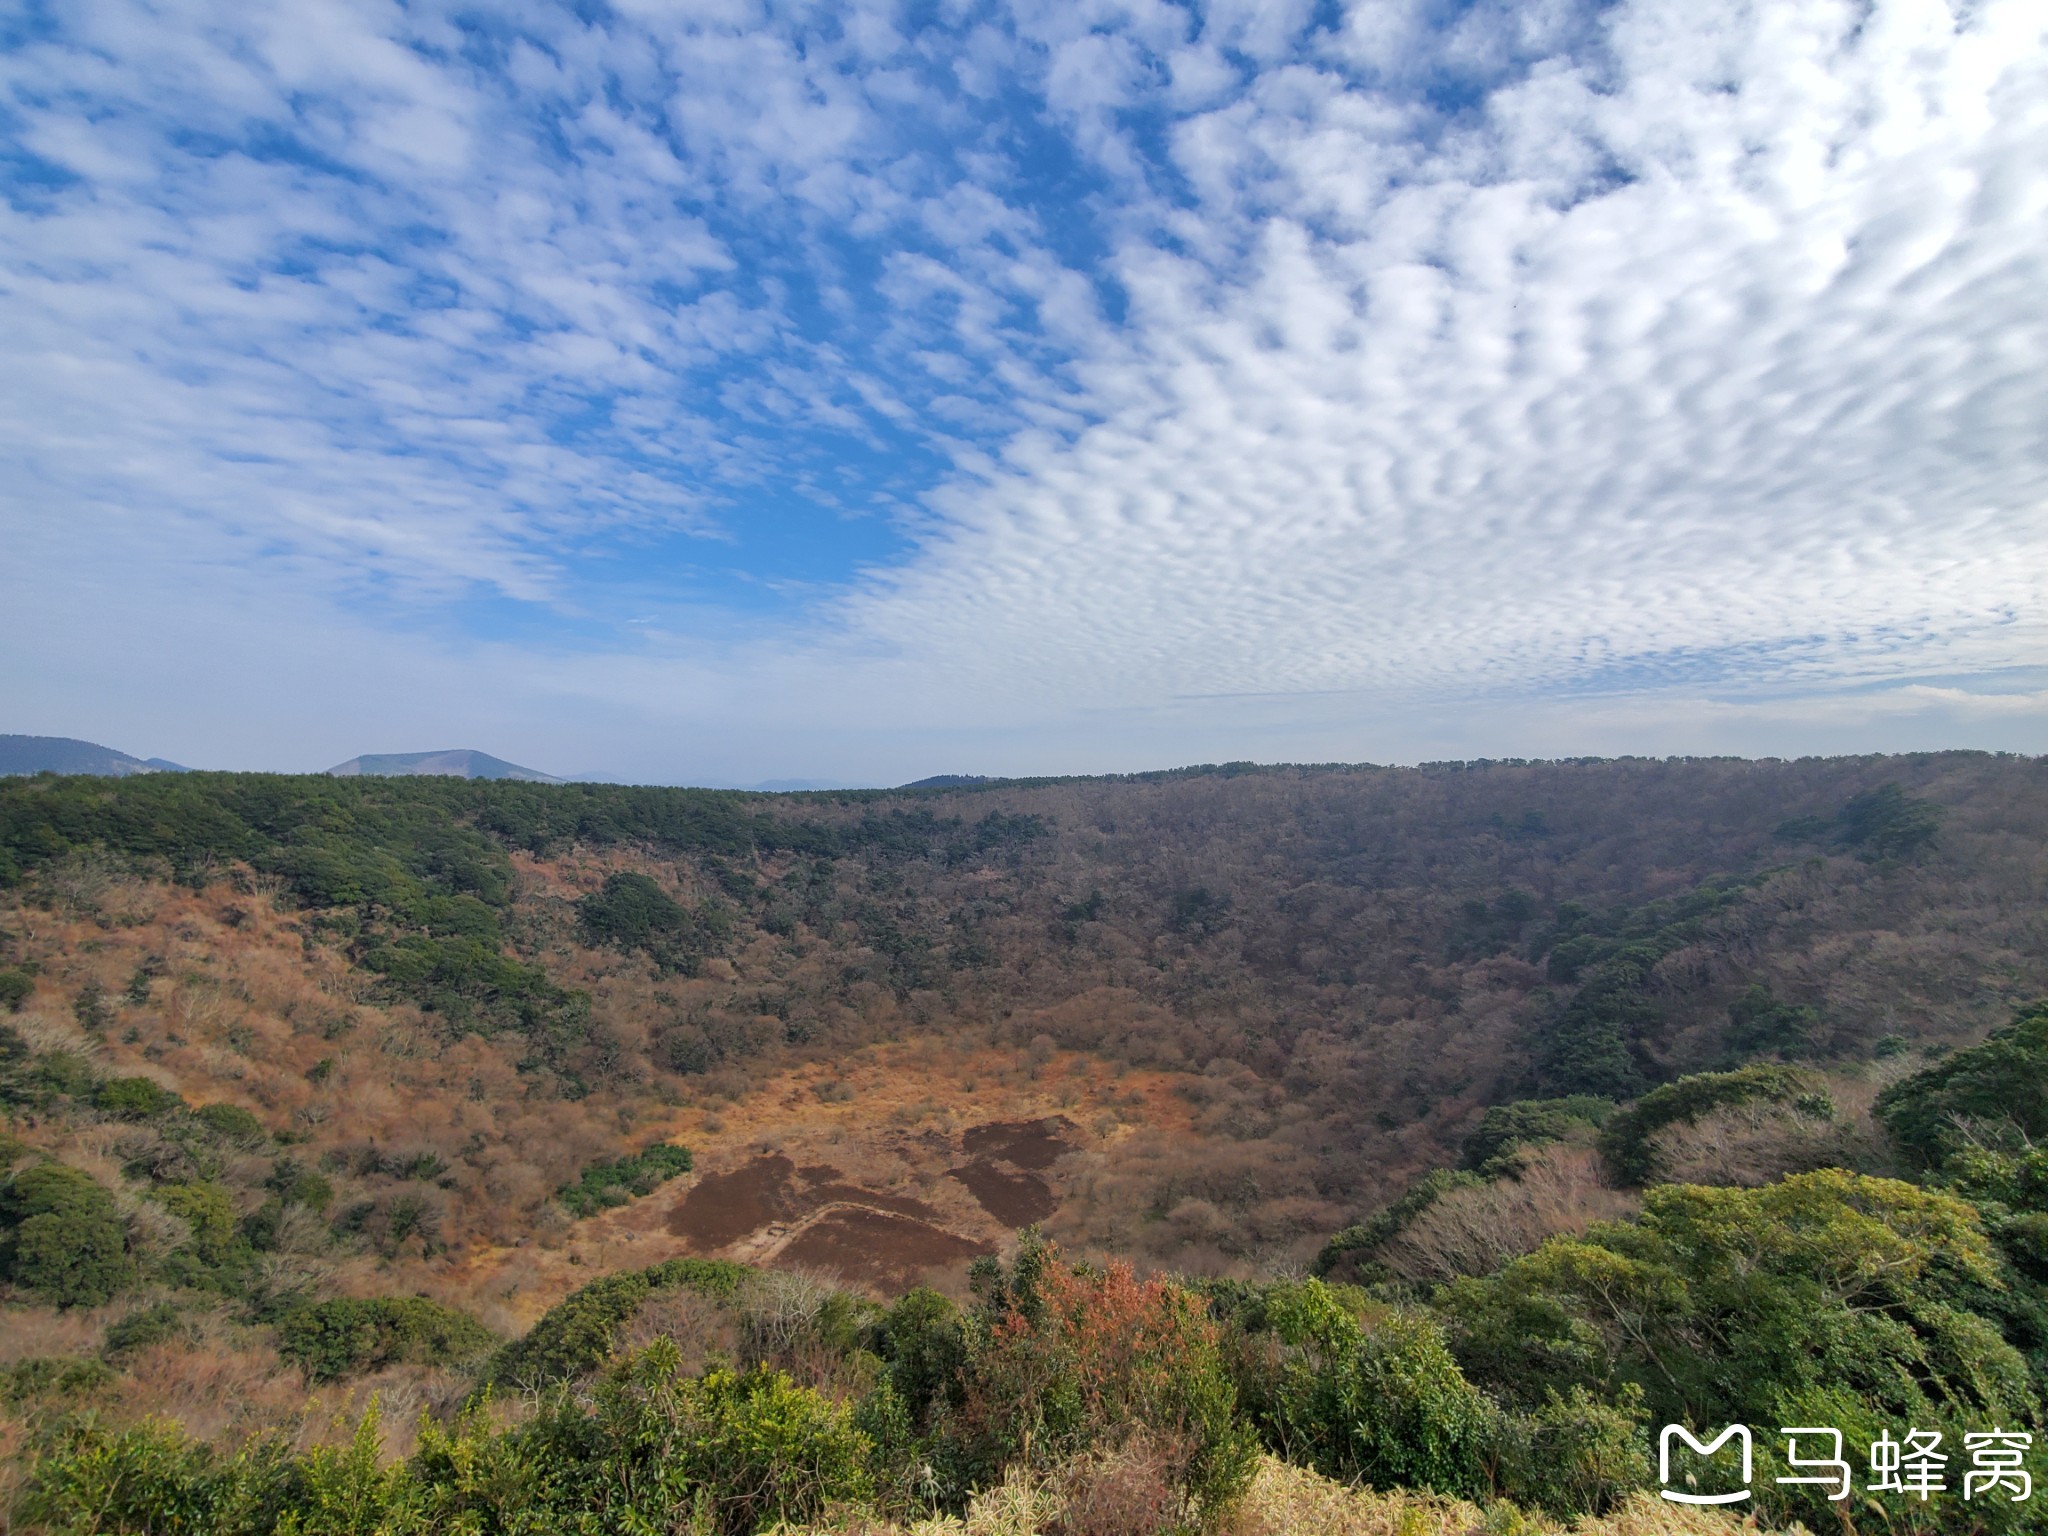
x,y
1755,1143
1286,1500
27,1333
1561,1189
1293,1501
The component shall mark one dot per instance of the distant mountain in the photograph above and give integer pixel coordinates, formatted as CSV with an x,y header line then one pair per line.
x,y
66,754
950,781
455,763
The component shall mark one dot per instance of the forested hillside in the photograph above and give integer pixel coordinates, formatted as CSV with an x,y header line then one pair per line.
x,y
1578,1088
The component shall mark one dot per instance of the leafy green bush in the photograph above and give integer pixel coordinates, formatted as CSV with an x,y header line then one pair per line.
x,y
578,1332
1573,1454
209,1210
134,1098
151,1479
603,1185
1721,1305
748,1449
923,1341
649,1449
1383,1403
61,1237
344,1337
53,1376
16,987
139,1330
2000,1087
232,1124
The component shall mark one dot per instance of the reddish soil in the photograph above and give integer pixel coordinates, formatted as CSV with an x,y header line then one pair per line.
x,y
1014,1199
876,1248
1027,1143
722,1208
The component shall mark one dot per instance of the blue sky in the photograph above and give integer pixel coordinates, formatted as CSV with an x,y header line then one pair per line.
x,y
723,392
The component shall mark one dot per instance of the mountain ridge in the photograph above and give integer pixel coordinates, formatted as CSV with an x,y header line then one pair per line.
x,y
70,754
449,762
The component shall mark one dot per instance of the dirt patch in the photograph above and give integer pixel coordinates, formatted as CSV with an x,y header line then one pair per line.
x,y
877,1248
1027,1143
835,1192
1014,1199
722,1208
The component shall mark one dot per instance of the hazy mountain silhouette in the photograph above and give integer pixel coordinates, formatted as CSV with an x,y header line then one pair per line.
x,y
453,763
67,754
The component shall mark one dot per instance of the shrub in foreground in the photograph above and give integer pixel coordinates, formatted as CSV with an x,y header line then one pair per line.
x,y
649,1450
1065,1360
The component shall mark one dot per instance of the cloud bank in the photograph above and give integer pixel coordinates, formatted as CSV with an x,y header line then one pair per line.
x,y
732,390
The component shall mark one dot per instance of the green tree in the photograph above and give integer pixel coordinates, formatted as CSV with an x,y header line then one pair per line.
x,y
1381,1402
1998,1090
1625,1139
209,1210
1888,823
1724,1304
134,1098
332,1339
61,1237
16,987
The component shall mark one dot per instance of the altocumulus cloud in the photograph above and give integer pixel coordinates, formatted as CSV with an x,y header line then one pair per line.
x,y
862,384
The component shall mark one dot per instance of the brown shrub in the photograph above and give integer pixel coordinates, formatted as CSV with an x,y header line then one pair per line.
x,y
698,1326
1132,1490
1560,1189
1757,1143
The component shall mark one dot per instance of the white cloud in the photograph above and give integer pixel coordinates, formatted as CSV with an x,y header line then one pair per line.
x,y
1480,419
1641,360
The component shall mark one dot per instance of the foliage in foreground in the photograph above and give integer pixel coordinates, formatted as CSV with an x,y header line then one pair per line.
x,y
648,1449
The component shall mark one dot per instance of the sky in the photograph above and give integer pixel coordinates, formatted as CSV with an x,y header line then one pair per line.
x,y
725,392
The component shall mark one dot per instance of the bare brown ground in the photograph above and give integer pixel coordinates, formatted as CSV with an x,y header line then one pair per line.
x,y
1014,1199
959,1143
1027,1143
877,1248
722,1208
